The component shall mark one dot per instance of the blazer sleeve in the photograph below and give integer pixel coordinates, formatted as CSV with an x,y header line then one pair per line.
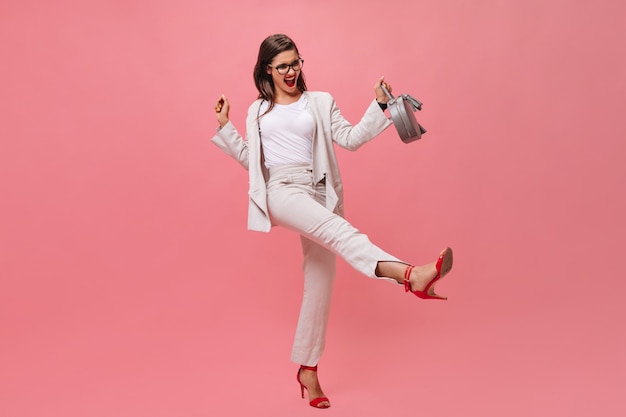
x,y
350,137
230,141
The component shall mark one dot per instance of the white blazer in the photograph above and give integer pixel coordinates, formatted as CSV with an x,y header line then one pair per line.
x,y
330,126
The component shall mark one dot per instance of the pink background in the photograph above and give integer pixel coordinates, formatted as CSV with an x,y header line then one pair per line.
x,y
129,285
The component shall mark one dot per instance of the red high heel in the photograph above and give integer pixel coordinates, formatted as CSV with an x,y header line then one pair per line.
x,y
443,266
316,402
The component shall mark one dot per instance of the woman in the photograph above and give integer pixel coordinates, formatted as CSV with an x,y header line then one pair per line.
x,y
295,183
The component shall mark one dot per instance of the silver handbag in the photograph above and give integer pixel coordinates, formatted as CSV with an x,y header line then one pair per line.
x,y
402,109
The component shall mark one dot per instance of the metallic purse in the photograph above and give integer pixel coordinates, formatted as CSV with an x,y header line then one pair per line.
x,y
401,110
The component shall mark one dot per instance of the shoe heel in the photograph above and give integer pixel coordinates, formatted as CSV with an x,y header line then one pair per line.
x,y
301,384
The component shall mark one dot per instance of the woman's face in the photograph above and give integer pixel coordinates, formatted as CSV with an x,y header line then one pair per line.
x,y
285,84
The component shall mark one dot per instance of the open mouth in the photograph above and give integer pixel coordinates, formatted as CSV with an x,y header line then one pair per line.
x,y
290,82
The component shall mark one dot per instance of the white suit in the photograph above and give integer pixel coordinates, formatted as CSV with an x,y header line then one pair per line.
x,y
309,200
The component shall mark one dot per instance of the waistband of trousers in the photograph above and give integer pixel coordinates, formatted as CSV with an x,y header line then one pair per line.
x,y
290,169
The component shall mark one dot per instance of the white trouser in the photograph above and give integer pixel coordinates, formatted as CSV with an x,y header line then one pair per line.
x,y
296,203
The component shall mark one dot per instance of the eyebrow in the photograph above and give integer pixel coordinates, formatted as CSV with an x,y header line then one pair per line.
x,y
284,63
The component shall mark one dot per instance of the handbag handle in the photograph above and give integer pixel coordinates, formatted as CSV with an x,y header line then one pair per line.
x,y
415,103
387,93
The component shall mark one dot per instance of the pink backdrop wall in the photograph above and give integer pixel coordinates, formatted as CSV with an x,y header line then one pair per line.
x,y
129,285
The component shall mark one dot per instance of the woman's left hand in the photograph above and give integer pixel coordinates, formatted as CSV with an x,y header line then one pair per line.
x,y
381,97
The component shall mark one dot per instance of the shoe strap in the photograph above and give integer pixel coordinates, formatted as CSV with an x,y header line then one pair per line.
x,y
316,402
407,276
309,368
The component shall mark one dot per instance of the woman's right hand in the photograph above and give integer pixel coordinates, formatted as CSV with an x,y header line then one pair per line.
x,y
221,109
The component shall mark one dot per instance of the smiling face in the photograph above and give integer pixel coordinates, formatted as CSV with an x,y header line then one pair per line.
x,y
285,85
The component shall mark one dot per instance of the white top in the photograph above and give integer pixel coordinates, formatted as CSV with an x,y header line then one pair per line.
x,y
287,133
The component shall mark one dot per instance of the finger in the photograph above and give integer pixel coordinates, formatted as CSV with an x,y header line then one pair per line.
x,y
220,103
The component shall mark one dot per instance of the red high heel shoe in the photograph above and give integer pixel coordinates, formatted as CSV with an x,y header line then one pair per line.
x,y
316,402
443,266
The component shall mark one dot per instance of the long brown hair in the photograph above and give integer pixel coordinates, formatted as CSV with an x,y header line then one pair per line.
x,y
270,47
